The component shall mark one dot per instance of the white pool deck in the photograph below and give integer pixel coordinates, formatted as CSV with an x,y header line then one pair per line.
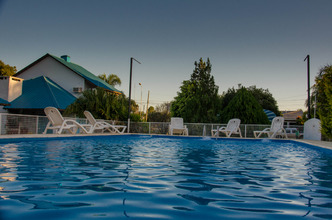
x,y
322,144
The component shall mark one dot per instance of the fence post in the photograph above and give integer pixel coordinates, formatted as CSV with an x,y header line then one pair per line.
x,y
149,127
0,123
245,131
37,122
204,131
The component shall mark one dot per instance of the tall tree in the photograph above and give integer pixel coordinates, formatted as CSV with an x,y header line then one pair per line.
x,y
161,113
245,107
102,104
323,92
263,96
227,97
265,99
7,70
198,99
111,79
164,107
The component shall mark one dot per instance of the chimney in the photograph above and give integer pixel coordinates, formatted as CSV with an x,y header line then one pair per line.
x,y
66,58
11,87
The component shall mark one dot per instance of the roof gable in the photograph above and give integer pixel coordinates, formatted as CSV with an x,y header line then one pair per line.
x,y
40,93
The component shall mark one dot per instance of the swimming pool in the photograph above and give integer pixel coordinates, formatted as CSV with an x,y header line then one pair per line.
x,y
144,177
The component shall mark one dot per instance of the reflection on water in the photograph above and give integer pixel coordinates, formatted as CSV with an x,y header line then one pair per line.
x,y
154,178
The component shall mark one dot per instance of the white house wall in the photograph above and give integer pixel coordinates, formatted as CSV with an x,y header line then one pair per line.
x,y
57,72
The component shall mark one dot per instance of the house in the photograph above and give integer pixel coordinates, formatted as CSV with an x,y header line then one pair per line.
x,y
70,76
291,117
48,81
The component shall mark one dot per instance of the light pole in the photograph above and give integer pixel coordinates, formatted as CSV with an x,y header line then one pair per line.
x,y
140,113
308,73
129,102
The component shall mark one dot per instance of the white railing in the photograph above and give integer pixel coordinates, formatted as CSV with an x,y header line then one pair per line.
x,y
33,124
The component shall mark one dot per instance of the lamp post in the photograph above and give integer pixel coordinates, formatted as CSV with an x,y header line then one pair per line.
x,y
308,73
129,102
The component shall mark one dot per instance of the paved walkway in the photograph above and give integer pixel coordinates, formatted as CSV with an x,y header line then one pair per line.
x,y
323,144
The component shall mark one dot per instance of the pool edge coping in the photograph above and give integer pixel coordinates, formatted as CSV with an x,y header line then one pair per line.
x,y
321,144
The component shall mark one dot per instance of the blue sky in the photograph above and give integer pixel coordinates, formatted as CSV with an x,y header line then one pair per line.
x,y
249,42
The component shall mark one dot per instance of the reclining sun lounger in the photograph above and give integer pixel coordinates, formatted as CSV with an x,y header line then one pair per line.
x,y
102,125
59,124
233,127
277,128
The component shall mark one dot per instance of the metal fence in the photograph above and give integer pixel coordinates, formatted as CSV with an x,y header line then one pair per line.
x,y
199,129
33,124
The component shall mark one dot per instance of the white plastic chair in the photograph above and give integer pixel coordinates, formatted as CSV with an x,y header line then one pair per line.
x,y
177,127
102,125
277,128
59,124
233,127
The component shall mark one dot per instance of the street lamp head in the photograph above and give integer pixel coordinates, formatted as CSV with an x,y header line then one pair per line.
x,y
132,58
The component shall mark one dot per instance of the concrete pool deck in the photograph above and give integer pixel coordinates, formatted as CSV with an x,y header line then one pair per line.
x,y
322,144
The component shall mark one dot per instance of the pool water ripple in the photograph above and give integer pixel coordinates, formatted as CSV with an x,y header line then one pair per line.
x,y
142,177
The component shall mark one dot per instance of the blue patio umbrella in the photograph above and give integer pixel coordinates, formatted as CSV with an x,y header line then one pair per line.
x,y
270,114
41,92
4,102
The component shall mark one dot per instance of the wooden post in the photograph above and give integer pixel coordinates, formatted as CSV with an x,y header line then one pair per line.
x,y
147,107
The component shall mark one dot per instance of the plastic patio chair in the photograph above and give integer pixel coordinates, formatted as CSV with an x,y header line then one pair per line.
x,y
177,127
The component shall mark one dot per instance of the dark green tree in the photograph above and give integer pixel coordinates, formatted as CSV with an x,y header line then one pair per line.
x,y
263,96
245,107
102,104
7,70
227,97
265,99
198,100
323,92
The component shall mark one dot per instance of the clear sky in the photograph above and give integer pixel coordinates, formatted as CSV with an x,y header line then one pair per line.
x,y
249,42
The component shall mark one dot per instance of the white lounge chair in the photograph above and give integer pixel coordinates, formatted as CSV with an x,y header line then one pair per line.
x,y
102,125
59,124
233,127
277,128
177,127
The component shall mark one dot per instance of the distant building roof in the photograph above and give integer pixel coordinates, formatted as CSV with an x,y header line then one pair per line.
x,y
41,92
292,115
4,102
78,70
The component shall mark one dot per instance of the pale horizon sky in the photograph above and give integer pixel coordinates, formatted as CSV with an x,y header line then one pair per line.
x,y
249,42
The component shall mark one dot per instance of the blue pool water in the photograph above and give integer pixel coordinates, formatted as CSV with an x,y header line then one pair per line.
x,y
143,177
